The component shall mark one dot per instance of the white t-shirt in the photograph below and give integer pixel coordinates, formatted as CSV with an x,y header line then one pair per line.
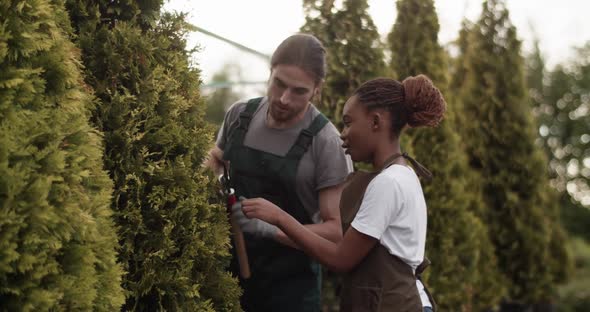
x,y
394,212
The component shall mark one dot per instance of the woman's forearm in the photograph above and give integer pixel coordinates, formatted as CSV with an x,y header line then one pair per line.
x,y
318,247
329,230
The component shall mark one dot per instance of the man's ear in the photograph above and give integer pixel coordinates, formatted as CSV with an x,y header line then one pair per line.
x,y
317,91
320,85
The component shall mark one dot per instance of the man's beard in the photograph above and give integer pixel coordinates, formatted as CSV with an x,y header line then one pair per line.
x,y
279,114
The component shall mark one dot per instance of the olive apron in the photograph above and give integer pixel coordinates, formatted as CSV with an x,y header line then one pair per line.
x,y
283,278
381,281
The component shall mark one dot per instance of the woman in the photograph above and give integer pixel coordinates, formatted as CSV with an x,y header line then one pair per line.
x,y
383,212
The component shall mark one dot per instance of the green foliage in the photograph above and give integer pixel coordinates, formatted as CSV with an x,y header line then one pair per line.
x,y
413,41
90,14
464,275
58,242
575,296
499,136
575,217
355,53
174,241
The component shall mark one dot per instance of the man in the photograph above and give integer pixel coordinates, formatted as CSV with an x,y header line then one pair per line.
x,y
283,149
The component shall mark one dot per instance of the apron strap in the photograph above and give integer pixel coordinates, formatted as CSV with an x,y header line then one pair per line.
x,y
419,270
421,171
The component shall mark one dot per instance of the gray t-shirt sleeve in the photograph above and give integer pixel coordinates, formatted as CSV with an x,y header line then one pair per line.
x,y
332,165
229,122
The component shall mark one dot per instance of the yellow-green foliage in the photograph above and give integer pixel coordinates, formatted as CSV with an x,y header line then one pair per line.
x,y
174,241
57,239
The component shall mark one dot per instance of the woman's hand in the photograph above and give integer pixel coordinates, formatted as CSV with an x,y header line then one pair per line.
x,y
262,209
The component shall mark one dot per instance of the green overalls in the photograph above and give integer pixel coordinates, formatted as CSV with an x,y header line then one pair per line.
x,y
381,281
283,278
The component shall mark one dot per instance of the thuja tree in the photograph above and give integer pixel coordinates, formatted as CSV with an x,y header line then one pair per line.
x,y
354,50
464,273
57,239
499,135
174,242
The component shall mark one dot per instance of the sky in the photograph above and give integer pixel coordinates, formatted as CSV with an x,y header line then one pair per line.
x,y
263,24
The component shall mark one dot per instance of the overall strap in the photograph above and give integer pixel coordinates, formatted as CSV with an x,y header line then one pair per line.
x,y
245,117
237,135
306,137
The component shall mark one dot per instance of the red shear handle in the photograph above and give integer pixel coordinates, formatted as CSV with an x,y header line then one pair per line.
x,y
239,242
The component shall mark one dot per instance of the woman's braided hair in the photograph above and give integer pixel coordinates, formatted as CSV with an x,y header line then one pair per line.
x,y
415,101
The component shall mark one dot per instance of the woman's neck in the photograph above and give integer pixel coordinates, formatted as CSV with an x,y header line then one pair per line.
x,y
384,151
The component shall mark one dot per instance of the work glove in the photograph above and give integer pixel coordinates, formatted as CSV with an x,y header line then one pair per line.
x,y
252,226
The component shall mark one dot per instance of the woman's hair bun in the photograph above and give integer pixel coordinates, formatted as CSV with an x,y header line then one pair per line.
x,y
424,101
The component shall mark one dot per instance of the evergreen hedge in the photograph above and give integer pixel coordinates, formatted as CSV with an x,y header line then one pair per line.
x,y
174,236
57,238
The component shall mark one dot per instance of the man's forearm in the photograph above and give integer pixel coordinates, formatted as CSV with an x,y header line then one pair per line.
x,y
331,227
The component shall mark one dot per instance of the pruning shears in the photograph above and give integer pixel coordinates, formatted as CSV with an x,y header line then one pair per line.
x,y
240,244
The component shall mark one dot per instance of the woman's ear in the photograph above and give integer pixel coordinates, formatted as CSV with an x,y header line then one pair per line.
x,y
376,121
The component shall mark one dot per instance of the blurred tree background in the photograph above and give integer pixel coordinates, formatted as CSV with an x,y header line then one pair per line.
x,y
350,38
221,98
105,120
354,49
464,274
560,98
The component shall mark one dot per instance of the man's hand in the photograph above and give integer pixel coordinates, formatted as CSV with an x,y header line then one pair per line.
x,y
254,226
214,160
